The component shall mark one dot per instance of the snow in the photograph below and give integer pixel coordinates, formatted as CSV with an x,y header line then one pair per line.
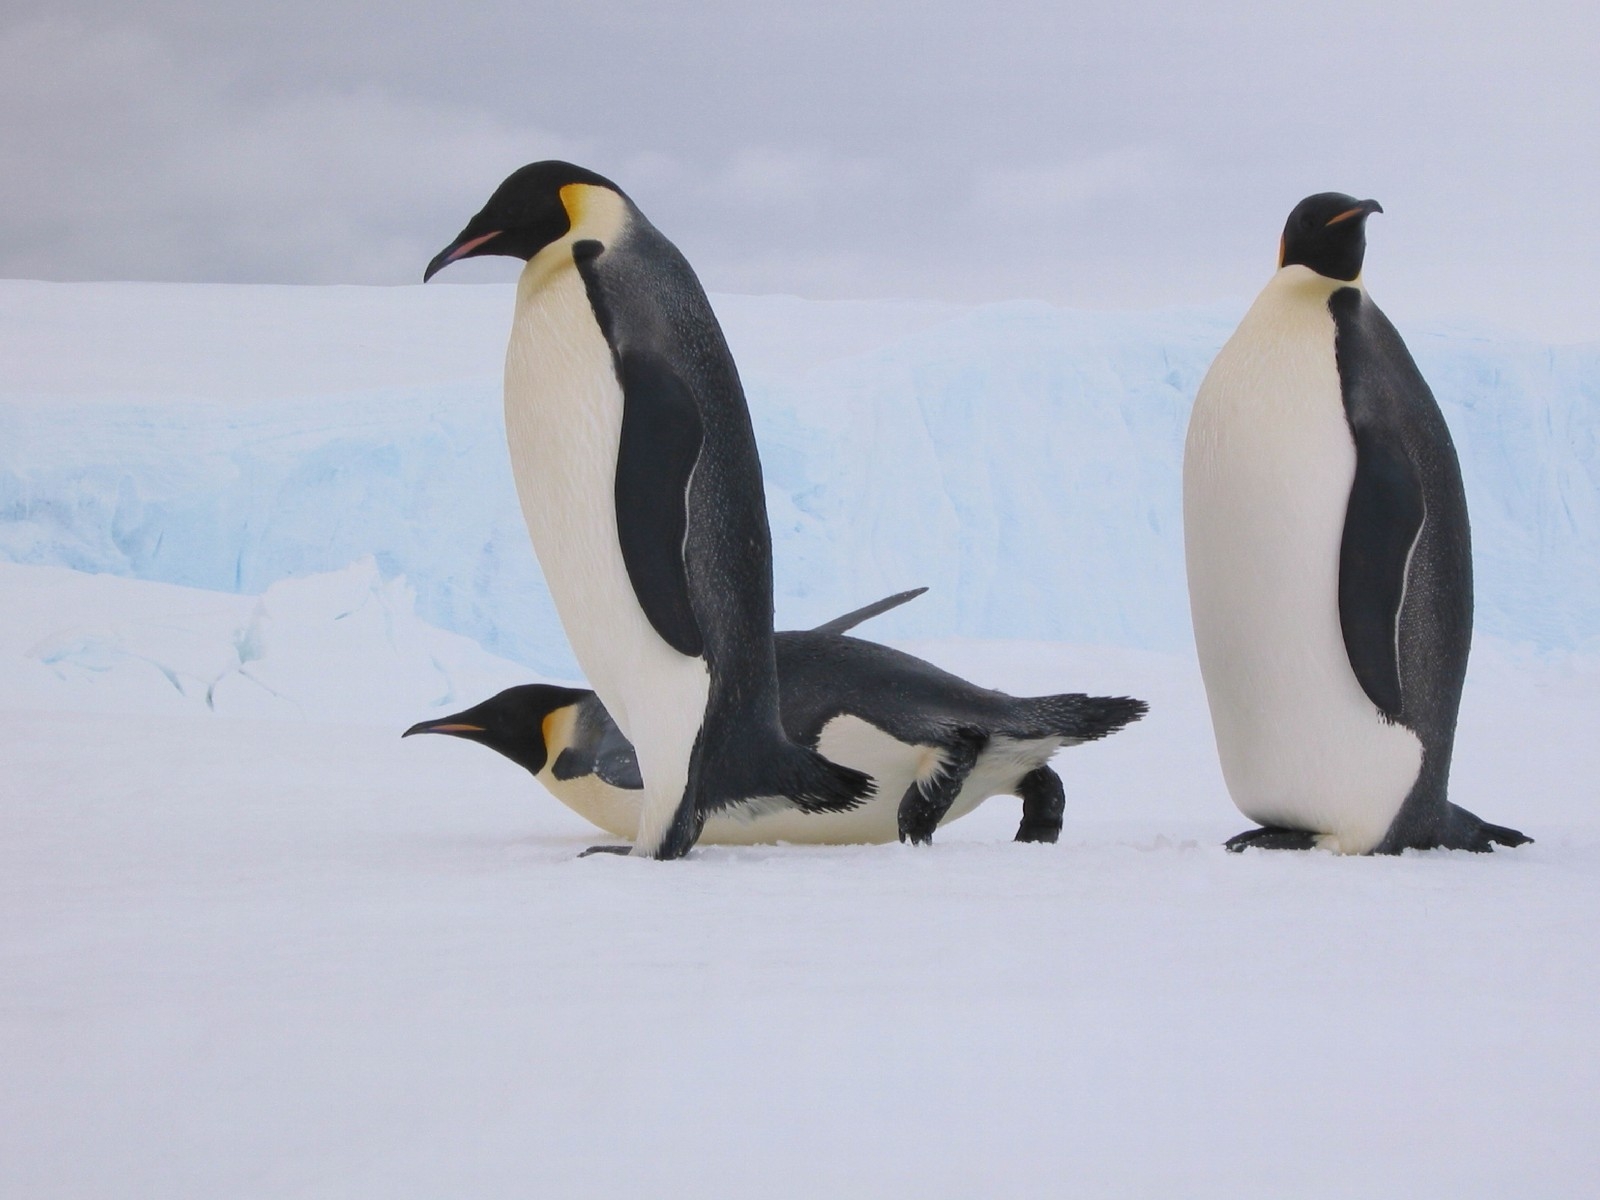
x,y
253,944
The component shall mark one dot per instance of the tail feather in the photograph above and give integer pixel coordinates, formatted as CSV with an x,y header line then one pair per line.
x,y
1075,716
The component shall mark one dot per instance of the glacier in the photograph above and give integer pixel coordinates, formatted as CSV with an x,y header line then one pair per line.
x,y
1021,460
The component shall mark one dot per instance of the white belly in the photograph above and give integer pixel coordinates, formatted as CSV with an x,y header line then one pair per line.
x,y
563,425
893,765
1266,481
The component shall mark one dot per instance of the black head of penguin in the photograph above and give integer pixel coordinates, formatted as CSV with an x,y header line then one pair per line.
x,y
1328,233
512,722
524,215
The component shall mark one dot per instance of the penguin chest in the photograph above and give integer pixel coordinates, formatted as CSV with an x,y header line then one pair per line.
x,y
563,409
614,809
1268,468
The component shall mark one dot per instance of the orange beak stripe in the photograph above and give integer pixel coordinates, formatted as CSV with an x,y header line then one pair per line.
x,y
1348,213
469,247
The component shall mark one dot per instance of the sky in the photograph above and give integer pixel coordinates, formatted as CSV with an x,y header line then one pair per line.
x,y
1142,157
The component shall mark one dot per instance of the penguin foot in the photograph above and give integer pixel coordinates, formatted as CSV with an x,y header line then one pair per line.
x,y
1044,802
1499,835
1046,834
1468,831
1271,837
925,803
606,850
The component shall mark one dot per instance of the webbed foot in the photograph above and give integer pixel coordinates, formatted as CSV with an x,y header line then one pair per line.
x,y
1271,837
1467,831
1044,802
606,850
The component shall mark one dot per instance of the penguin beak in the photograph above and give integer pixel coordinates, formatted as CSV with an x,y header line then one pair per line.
x,y
1365,209
462,247
445,726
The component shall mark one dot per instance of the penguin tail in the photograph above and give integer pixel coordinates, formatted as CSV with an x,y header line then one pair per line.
x,y
1076,717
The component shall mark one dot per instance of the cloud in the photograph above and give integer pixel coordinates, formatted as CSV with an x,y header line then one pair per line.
x,y
128,163
1069,185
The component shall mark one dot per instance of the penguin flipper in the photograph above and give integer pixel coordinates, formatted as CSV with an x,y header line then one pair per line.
x,y
1381,526
867,611
599,748
660,443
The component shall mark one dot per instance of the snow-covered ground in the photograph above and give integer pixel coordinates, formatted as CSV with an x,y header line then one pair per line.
x,y
254,945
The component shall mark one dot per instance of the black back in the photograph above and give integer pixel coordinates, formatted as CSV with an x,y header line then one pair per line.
x,y
687,425
826,675
1405,569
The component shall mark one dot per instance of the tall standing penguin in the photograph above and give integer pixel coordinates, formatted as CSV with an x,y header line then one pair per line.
x,y
636,466
1330,562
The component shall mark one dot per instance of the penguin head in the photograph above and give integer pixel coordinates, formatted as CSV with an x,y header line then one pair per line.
x,y
1328,233
525,214
515,723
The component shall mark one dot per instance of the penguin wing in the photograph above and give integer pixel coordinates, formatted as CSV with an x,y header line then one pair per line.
x,y
1381,526
867,611
661,439
598,747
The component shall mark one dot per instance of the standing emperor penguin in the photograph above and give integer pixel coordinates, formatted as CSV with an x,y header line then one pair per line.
x,y
1330,562
636,466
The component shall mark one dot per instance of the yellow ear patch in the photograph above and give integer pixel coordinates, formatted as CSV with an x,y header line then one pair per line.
x,y
557,729
1283,248
595,212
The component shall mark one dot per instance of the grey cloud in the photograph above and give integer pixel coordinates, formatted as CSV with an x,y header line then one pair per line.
x,y
1144,154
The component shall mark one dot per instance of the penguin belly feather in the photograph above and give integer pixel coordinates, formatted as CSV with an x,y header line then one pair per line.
x,y
563,410
1268,469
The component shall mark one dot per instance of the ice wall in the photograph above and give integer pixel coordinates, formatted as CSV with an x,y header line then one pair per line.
x,y
1022,460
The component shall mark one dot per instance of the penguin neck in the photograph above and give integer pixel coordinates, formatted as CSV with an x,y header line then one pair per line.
x,y
595,214
1300,284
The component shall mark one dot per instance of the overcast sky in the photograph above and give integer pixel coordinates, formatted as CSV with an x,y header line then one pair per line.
x,y
1144,153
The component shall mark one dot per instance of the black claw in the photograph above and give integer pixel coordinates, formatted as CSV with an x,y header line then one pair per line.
x,y
1271,838
1038,833
1499,835
606,850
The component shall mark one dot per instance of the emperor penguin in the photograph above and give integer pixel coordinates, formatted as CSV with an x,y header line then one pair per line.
x,y
1330,562
636,467
935,745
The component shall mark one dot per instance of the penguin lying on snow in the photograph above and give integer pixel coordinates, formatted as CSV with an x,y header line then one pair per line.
x,y
1330,564
636,467
936,745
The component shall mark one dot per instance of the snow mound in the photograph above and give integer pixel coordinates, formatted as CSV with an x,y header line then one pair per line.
x,y
341,646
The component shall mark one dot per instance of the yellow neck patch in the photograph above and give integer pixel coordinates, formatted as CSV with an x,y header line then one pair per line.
x,y
595,212
557,730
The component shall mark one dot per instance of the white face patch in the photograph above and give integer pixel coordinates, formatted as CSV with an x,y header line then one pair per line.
x,y
1268,467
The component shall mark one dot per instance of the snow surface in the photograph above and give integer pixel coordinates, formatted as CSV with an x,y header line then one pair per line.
x,y
254,945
